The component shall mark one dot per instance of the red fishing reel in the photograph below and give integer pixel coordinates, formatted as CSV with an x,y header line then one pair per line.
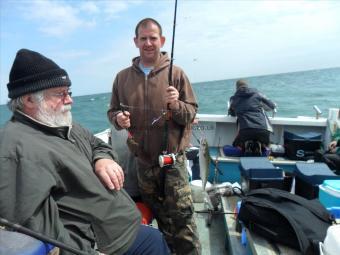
x,y
167,159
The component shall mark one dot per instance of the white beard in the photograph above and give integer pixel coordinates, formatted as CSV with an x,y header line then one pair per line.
x,y
62,117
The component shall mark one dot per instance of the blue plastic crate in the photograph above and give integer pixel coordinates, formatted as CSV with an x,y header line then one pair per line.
x,y
334,211
329,193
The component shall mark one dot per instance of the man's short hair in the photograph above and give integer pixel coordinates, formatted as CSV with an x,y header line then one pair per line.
x,y
146,21
241,83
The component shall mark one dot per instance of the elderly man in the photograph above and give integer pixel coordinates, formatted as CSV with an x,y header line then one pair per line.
x,y
57,178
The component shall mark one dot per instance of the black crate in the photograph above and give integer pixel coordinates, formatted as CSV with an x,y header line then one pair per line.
x,y
302,146
259,172
266,183
308,177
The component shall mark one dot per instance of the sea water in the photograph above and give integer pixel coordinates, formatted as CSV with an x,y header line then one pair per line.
x,y
294,93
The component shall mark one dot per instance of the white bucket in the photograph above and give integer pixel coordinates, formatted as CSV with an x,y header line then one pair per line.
x,y
331,245
197,191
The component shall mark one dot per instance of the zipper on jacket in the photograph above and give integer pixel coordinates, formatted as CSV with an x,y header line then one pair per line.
x,y
146,126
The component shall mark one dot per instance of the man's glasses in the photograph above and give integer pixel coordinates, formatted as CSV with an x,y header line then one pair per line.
x,y
61,95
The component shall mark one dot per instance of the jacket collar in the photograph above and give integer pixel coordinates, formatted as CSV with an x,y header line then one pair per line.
x,y
163,62
62,132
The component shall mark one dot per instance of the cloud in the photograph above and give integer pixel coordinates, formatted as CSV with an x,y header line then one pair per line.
x,y
237,38
89,7
73,54
112,9
56,18
62,18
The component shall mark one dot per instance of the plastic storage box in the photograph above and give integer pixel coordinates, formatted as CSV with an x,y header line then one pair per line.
x,y
308,177
334,211
301,146
329,193
259,172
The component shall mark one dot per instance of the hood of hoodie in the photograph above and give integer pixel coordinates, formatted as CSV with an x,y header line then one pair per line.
x,y
163,62
245,92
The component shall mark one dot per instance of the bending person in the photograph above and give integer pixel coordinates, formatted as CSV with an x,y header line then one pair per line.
x,y
57,178
250,106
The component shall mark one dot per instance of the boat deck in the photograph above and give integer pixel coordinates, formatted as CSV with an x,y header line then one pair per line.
x,y
212,237
255,244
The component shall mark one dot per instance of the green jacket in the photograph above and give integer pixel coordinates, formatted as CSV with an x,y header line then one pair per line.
x,y
47,184
336,137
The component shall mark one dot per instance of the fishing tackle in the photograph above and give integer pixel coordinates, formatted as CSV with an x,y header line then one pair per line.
x,y
154,121
172,45
125,107
168,112
167,159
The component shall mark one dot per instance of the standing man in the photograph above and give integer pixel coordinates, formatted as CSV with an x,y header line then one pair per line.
x,y
57,178
159,117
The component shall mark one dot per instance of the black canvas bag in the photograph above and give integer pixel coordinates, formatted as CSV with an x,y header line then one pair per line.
x,y
285,218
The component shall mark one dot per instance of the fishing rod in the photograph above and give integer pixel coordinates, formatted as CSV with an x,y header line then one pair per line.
x,y
167,159
210,211
29,232
168,114
172,45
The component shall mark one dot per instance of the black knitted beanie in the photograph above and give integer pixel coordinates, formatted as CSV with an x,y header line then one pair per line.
x,y
33,72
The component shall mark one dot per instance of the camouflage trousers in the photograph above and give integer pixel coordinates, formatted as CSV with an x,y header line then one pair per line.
x,y
167,192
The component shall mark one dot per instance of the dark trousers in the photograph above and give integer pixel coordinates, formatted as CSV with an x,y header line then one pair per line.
x,y
250,134
148,241
333,161
167,192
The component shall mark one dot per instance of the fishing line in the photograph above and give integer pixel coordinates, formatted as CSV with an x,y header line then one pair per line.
x,y
216,161
124,106
163,112
154,120
211,161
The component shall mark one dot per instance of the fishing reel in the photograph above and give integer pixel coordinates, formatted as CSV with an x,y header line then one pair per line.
x,y
167,159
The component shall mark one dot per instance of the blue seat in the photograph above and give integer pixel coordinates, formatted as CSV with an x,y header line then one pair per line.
x,y
14,243
308,177
261,173
259,167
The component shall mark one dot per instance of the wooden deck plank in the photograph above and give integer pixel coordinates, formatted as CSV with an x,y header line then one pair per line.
x,y
233,237
212,238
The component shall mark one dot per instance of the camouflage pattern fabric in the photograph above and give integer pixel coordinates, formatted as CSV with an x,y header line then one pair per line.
x,y
172,205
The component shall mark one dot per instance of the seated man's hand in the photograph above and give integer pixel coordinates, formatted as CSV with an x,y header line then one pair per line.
x,y
109,173
332,146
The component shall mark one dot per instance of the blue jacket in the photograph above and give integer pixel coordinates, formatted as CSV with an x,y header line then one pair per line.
x,y
250,106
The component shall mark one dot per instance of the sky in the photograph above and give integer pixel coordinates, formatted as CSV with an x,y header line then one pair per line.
x,y
214,40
